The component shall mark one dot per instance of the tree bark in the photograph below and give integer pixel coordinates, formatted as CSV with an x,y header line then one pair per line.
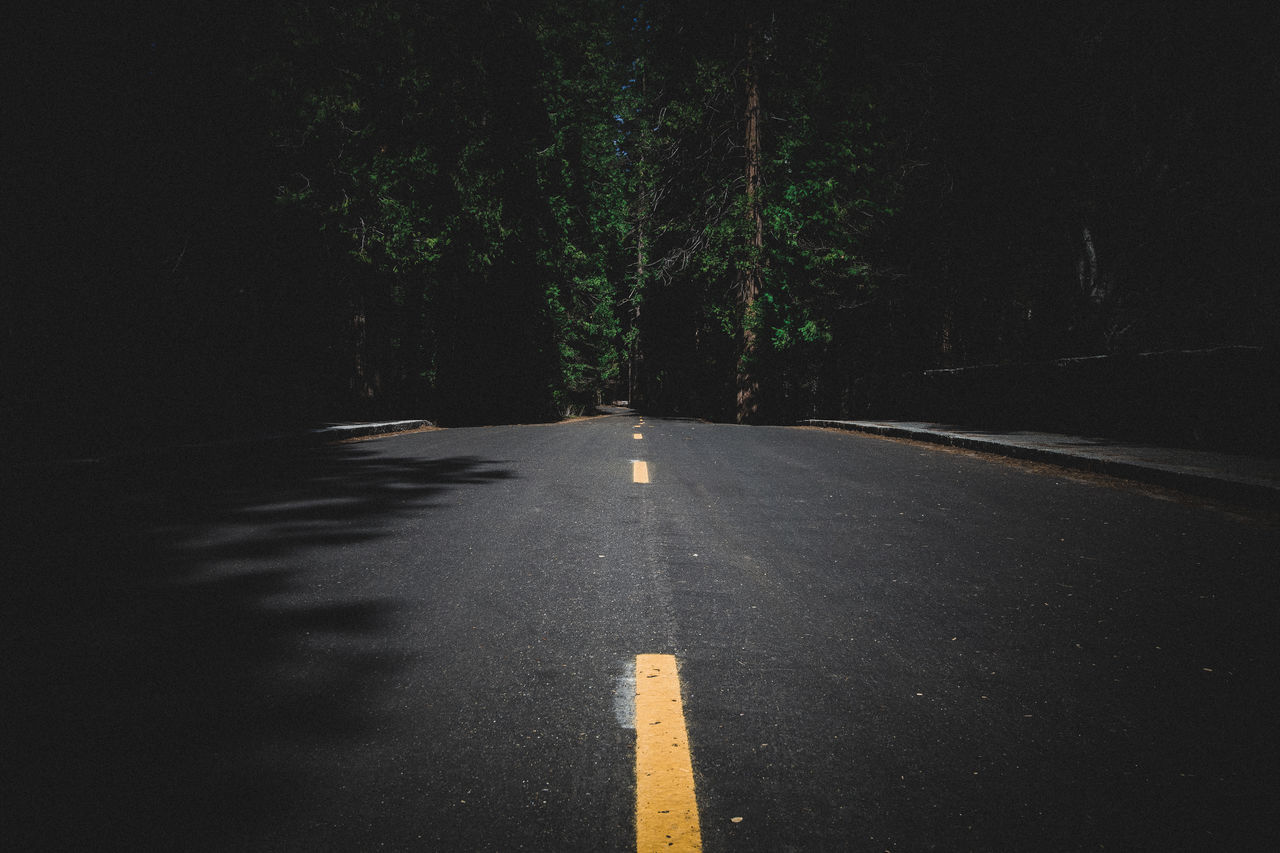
x,y
634,351
748,408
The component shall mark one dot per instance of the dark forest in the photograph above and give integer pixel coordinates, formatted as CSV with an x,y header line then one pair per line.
x,y
240,217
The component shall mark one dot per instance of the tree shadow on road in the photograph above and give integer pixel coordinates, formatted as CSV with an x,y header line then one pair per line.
x,y
165,639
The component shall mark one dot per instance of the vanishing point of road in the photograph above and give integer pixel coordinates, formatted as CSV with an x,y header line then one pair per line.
x,y
621,632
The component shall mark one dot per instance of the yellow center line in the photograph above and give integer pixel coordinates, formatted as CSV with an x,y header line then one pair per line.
x,y
666,805
636,435
639,471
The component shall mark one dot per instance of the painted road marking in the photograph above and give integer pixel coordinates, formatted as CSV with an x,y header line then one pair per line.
x,y
636,435
639,471
666,806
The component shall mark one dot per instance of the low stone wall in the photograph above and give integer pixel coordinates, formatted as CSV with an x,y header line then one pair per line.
x,y
1222,399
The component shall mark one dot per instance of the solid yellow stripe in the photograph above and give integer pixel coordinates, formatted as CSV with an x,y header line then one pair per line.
x,y
636,435
639,471
666,806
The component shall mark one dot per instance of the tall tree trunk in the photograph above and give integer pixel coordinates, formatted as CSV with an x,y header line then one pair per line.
x,y
634,351
749,283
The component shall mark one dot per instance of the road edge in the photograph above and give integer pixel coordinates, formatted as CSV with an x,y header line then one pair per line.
x,y
1254,494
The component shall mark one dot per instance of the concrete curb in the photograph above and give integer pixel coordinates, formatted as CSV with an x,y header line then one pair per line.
x,y
301,438
1223,485
362,430
211,449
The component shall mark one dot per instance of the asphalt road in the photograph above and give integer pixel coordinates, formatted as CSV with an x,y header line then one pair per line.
x,y
428,642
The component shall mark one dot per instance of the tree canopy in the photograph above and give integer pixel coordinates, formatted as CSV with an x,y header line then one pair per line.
x,y
480,212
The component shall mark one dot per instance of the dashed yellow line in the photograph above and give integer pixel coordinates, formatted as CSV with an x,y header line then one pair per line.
x,y
666,805
636,435
639,471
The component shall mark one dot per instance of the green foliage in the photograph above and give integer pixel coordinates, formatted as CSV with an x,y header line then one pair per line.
x,y
455,142
499,211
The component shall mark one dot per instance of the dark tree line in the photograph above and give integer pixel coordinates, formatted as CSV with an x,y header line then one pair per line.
x,y
237,215
952,184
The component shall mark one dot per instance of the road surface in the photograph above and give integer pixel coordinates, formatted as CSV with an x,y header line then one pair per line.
x,y
430,642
